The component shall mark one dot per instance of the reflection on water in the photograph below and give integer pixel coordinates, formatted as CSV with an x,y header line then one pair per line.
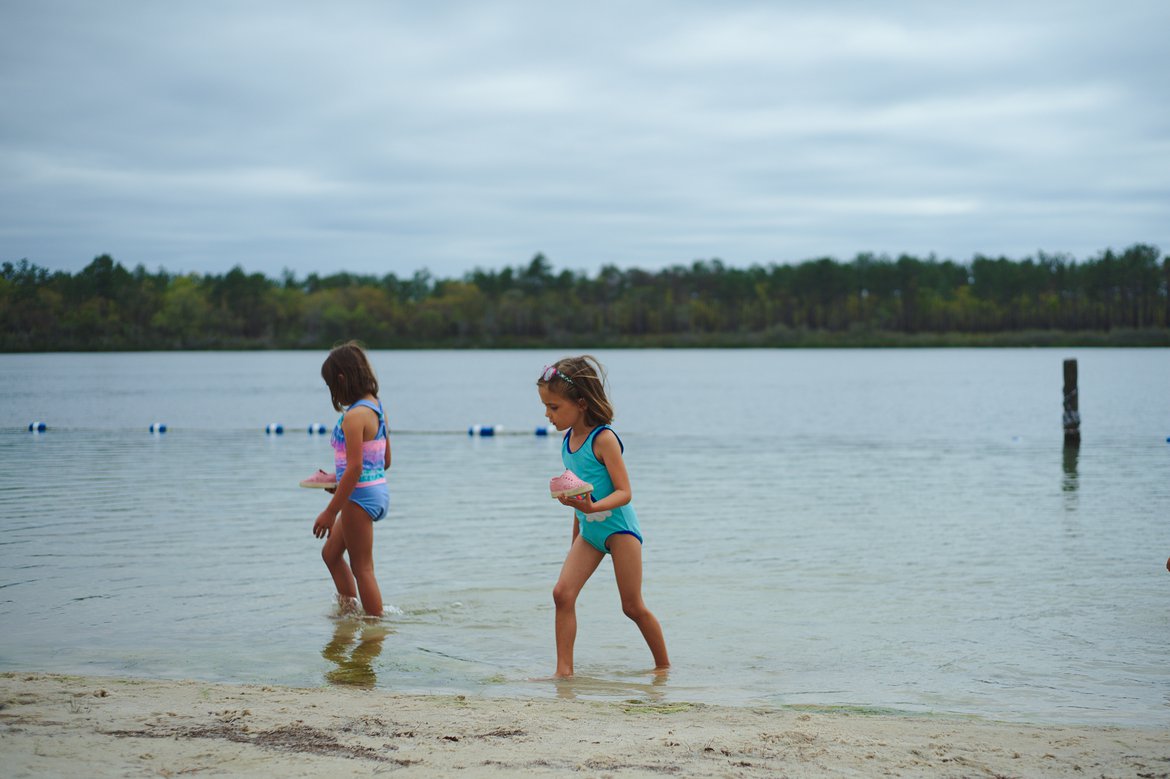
x,y
593,687
1072,452
356,644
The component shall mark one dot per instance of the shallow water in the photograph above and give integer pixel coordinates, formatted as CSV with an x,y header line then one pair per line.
x,y
889,529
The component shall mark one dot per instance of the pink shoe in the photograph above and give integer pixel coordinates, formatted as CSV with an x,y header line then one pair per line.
x,y
321,479
567,485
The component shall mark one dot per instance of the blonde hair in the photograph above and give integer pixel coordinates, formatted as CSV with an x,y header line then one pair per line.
x,y
581,378
348,373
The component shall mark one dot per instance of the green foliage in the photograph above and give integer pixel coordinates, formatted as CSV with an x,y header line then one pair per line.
x,y
1113,298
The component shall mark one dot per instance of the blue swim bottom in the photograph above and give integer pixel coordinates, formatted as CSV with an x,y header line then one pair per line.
x,y
597,532
375,499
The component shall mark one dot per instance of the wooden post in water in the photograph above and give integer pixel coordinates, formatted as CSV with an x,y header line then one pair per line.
x,y
1072,415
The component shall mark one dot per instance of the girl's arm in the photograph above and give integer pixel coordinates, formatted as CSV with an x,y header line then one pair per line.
x,y
353,426
609,454
387,465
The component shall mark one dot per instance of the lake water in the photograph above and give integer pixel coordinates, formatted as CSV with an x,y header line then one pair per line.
x,y
893,529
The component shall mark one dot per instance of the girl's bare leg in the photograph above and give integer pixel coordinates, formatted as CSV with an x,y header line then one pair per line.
x,y
358,530
626,551
333,553
580,564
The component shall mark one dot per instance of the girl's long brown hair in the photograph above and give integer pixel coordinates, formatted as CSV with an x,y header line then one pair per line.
x,y
349,374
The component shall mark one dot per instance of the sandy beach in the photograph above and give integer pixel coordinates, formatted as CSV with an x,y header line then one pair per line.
x,y
62,726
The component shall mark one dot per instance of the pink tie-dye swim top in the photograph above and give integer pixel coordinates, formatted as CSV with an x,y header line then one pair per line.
x,y
373,451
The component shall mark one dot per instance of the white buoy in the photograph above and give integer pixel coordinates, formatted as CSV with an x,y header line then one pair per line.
x,y
317,428
158,427
274,428
37,427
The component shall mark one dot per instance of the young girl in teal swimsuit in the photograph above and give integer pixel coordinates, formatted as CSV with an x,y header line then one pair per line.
x,y
573,393
361,454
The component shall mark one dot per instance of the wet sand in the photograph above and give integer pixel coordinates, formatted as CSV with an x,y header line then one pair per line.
x,y
58,726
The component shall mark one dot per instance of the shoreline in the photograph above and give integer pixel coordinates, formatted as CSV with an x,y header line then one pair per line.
x,y
58,725
776,338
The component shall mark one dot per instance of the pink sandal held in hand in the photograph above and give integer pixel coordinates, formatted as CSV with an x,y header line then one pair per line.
x,y
567,485
321,479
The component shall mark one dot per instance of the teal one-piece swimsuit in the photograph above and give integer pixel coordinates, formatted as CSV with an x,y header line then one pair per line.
x,y
596,528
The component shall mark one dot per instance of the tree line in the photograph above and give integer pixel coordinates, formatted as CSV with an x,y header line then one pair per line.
x,y
1111,298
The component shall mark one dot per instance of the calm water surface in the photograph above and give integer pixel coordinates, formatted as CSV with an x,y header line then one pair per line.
x,y
889,529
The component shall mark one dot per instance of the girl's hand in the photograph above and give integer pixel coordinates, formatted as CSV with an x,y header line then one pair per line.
x,y
324,524
583,503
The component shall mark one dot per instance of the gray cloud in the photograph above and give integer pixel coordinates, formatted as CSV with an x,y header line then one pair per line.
x,y
377,137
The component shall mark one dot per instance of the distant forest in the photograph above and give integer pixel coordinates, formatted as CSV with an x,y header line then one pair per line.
x,y
1114,298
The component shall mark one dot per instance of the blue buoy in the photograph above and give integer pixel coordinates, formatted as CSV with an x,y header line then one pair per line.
x,y
37,427
483,431
317,428
274,428
542,430
158,427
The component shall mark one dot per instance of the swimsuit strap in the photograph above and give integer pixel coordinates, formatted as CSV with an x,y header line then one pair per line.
x,y
592,434
378,410
599,428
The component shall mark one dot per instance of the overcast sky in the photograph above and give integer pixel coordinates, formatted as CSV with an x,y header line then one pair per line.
x,y
381,137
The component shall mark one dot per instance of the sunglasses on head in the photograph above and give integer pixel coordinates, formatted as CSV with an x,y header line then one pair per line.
x,y
551,370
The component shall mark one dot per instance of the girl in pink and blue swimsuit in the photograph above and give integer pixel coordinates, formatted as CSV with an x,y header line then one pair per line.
x,y
361,452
